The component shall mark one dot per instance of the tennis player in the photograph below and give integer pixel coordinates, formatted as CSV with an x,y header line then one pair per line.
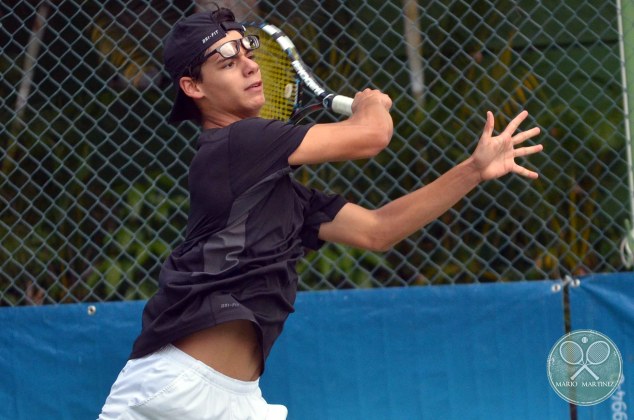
x,y
227,289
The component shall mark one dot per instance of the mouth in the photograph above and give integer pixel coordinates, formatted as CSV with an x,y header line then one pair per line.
x,y
255,86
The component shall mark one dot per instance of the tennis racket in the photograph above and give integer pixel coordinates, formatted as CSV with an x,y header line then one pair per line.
x,y
286,78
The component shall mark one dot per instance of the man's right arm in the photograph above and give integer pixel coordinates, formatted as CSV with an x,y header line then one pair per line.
x,y
363,135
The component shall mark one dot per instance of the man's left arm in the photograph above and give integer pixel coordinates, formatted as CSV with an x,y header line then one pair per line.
x,y
381,228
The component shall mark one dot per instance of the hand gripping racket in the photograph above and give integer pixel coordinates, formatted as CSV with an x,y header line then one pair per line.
x,y
286,77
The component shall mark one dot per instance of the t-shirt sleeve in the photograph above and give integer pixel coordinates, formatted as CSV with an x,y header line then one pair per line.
x,y
319,208
259,147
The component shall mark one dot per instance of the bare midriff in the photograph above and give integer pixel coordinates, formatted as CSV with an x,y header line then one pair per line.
x,y
230,348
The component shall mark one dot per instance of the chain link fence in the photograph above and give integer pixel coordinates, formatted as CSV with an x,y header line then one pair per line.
x,y
94,179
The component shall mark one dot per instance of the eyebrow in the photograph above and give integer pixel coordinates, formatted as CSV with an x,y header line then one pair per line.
x,y
222,59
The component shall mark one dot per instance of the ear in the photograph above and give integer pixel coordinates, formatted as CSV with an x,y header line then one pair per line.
x,y
190,87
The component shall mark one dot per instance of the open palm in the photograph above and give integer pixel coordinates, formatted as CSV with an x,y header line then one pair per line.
x,y
495,155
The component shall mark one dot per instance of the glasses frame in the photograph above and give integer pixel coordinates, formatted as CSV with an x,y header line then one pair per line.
x,y
247,42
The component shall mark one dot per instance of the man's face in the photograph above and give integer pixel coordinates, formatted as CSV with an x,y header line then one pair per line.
x,y
231,86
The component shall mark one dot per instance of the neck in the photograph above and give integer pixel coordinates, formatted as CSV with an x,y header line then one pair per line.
x,y
218,121
213,117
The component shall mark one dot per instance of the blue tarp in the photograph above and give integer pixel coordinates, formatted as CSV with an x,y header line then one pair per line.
x,y
58,362
454,352
451,352
605,303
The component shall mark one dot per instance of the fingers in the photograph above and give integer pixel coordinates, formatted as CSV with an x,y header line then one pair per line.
x,y
520,170
525,151
488,126
510,128
373,95
516,139
525,135
515,123
369,91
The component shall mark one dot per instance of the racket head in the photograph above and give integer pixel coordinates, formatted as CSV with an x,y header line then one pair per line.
x,y
287,77
282,87
571,352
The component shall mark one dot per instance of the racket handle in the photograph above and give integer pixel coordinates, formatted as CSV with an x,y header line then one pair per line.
x,y
339,104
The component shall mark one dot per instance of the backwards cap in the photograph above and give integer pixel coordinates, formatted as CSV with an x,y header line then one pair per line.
x,y
189,38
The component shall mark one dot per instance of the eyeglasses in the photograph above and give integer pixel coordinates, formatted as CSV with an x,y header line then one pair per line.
x,y
229,49
232,48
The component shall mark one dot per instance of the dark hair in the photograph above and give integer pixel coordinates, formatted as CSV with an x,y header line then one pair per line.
x,y
221,14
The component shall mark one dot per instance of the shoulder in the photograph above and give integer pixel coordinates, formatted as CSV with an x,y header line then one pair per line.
x,y
263,126
255,136
245,126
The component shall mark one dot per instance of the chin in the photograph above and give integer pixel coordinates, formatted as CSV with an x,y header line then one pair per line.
x,y
258,108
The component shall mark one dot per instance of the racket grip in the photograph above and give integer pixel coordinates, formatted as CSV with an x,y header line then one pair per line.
x,y
339,104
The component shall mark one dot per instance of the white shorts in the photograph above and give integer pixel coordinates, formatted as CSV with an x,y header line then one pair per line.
x,y
170,384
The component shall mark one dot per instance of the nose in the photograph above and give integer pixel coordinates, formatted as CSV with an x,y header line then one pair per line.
x,y
250,66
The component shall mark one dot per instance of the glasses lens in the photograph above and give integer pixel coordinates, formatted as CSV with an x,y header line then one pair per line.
x,y
229,49
251,42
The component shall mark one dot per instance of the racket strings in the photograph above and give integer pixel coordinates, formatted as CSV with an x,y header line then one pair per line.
x,y
278,78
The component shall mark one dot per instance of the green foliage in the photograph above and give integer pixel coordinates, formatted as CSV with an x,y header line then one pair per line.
x,y
340,267
508,230
93,179
133,250
87,215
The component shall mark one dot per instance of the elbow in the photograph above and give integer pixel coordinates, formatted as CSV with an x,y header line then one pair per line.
x,y
383,140
379,140
385,132
382,233
379,241
381,247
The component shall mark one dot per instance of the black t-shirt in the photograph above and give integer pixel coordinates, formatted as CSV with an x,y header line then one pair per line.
x,y
249,223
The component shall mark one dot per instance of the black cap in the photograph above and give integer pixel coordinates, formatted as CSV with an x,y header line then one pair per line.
x,y
188,39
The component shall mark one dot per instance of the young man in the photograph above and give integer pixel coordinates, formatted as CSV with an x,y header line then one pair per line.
x,y
226,291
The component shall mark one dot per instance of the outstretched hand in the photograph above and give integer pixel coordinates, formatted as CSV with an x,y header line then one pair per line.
x,y
495,155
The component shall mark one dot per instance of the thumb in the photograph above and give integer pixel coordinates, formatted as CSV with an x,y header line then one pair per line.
x,y
488,127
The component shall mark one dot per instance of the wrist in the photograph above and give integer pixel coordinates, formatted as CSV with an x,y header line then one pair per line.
x,y
472,172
